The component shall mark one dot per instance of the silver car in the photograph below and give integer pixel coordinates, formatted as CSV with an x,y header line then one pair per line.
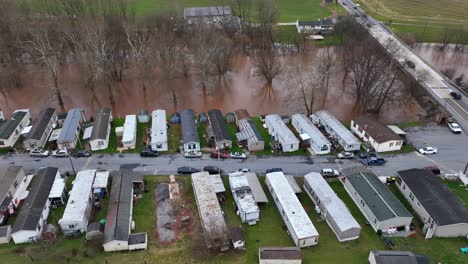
x,y
39,153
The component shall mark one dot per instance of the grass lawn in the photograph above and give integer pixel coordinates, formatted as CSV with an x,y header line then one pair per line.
x,y
232,131
409,124
173,137
202,134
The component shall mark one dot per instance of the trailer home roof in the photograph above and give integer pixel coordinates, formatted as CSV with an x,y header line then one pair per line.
x,y
7,128
189,127
7,177
310,129
101,124
244,197
338,127
218,125
293,209
129,128
79,196
443,205
101,179
378,131
380,200
67,134
256,187
248,131
281,129
335,206
38,128
158,126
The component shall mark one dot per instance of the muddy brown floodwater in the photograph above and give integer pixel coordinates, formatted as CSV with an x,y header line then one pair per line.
x,y
444,59
241,89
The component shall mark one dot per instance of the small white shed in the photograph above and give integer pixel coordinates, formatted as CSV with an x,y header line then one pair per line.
x,y
130,132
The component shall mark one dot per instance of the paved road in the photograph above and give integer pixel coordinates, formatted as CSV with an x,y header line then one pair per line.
x,y
451,158
430,78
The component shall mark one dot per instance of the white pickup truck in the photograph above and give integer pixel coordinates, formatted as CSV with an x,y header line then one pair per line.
x,y
454,127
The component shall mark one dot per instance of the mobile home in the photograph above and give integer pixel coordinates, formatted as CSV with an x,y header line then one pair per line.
x,y
11,129
41,129
71,129
310,134
101,130
247,207
281,133
190,136
159,130
130,132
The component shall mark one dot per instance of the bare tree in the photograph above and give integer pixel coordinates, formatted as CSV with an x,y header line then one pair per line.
x,y
304,84
267,16
267,65
45,47
445,38
242,10
326,67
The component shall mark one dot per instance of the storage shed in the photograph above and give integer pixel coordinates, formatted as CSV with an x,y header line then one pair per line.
x,y
5,234
331,207
101,180
281,133
231,118
10,130
336,130
317,141
41,129
71,129
143,116
248,136
378,135
279,255
101,130
379,205
441,210
159,130
247,207
94,231
130,132
30,222
396,257
10,179
190,136
79,206
117,231
220,137
295,218
212,220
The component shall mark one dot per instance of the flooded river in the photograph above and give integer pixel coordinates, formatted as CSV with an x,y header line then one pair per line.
x,y
241,89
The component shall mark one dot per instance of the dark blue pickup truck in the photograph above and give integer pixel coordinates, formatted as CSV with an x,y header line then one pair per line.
x,y
373,161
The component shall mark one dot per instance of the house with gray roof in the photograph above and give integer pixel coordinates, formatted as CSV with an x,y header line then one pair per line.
x,y
377,203
441,210
10,180
41,129
208,15
71,129
117,232
190,136
283,255
10,130
217,131
32,218
396,257
101,129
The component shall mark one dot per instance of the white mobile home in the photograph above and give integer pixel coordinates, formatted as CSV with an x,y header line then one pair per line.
x,y
309,133
377,203
79,206
295,218
190,136
101,130
159,130
11,178
247,207
281,133
11,129
32,217
212,220
71,129
126,185
337,130
441,210
378,135
41,129
331,207
130,132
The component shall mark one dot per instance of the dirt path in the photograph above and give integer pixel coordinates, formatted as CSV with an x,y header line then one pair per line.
x,y
333,11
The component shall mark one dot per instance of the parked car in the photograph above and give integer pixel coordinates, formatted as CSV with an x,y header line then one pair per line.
x,y
237,155
148,153
244,170
373,161
39,153
434,169
219,154
365,155
212,170
193,154
81,154
329,173
345,155
186,170
273,170
454,127
62,153
456,95
427,150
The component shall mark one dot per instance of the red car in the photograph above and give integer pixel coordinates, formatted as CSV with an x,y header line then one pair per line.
x,y
219,154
